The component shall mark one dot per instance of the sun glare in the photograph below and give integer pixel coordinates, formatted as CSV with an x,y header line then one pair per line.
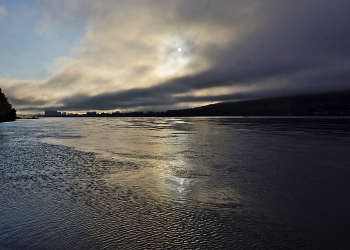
x,y
174,57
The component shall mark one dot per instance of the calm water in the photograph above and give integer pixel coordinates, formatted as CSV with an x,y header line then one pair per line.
x,y
175,183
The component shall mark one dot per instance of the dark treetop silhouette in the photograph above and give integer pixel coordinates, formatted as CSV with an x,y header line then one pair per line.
x,y
7,113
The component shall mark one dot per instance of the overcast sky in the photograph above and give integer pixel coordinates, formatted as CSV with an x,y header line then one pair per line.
x,y
107,55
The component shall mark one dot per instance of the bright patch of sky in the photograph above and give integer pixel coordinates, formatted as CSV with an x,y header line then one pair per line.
x,y
25,52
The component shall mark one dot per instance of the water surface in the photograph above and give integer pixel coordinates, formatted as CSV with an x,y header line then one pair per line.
x,y
175,183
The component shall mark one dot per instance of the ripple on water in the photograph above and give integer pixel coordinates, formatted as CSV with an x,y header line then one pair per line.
x,y
62,201
202,195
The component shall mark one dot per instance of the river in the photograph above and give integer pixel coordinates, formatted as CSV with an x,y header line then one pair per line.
x,y
175,183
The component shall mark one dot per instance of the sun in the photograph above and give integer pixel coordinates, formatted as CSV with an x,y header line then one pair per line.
x,y
175,54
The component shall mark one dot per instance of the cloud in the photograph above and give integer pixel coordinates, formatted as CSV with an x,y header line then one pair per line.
x,y
58,65
128,56
23,93
59,16
3,12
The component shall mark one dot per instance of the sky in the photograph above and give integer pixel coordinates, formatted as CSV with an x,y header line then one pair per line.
x,y
109,55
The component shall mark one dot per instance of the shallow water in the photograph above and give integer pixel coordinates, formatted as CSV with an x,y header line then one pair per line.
x,y
175,183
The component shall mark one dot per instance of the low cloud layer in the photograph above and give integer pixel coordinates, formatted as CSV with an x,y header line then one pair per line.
x,y
159,55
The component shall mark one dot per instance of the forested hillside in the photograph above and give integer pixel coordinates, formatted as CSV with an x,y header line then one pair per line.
x,y
325,104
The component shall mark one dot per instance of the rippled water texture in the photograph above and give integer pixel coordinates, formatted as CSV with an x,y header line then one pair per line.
x,y
175,183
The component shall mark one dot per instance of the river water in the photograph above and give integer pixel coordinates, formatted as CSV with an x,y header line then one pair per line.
x,y
175,183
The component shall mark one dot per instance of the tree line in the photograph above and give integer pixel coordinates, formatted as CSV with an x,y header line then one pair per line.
x,y
7,113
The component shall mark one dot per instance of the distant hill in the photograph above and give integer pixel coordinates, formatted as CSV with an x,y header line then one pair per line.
x,y
336,103
326,104
7,113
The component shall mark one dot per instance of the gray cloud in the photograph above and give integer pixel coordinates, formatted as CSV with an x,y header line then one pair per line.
x,y
28,102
